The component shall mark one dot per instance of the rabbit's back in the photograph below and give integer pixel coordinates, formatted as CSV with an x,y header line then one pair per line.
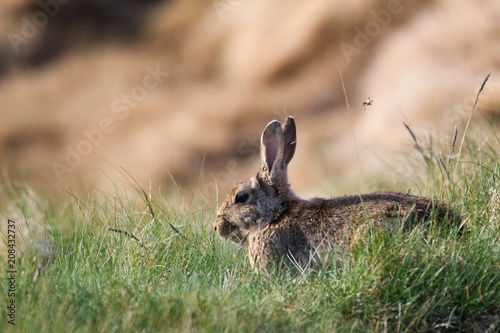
x,y
310,228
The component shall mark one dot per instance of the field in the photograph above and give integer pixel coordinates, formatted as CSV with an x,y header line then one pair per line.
x,y
124,122
164,269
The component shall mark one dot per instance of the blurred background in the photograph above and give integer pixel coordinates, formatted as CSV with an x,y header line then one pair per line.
x,y
91,90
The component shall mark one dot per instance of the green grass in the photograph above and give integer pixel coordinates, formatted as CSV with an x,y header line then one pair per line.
x,y
179,276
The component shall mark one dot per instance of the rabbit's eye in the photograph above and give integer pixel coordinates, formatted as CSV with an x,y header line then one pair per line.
x,y
241,197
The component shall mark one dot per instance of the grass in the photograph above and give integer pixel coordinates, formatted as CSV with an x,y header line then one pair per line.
x,y
178,276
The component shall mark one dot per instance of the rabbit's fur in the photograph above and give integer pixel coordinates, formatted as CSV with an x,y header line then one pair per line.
x,y
283,230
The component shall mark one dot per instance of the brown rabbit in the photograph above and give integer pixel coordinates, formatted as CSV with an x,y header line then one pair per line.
x,y
283,230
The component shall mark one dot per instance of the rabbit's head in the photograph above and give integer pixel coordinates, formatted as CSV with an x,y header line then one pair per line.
x,y
257,202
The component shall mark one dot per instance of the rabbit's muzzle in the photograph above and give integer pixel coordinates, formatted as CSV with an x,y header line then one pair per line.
x,y
226,229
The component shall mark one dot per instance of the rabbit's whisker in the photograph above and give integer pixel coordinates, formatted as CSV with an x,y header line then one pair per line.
x,y
243,241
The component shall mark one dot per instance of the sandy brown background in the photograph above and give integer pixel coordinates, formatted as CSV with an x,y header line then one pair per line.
x,y
170,88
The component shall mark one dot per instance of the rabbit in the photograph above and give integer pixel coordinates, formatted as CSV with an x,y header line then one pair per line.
x,y
283,231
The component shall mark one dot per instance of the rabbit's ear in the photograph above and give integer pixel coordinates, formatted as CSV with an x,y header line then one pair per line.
x,y
290,139
271,149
